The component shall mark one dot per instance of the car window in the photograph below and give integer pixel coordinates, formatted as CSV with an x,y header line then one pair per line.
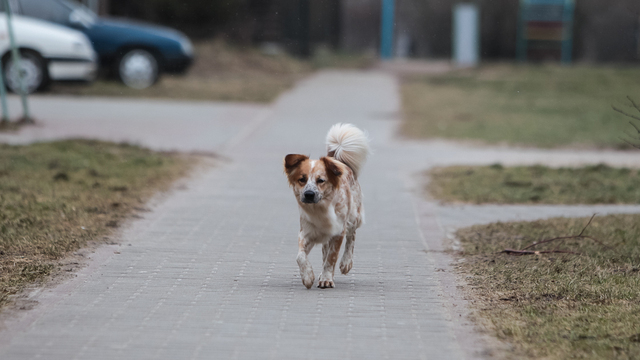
x,y
50,10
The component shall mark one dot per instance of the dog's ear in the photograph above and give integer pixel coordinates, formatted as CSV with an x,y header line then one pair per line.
x,y
333,171
292,161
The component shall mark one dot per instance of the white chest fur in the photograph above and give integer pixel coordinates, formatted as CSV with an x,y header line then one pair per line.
x,y
320,223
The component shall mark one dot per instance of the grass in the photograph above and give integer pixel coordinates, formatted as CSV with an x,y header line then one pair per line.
x,y
222,72
559,306
531,105
599,184
55,197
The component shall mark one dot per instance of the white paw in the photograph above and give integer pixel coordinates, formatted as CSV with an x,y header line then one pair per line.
x,y
308,278
346,265
325,282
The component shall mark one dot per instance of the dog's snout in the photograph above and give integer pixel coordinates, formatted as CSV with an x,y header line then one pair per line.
x,y
309,195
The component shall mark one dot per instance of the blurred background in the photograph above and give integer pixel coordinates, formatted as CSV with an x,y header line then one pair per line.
x,y
138,41
531,72
603,31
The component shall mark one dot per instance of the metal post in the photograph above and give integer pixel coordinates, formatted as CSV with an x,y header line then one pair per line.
x,y
15,54
521,45
466,34
3,98
567,36
386,35
304,35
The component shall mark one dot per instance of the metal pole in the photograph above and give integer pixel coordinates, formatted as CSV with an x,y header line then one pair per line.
x,y
386,35
521,45
567,28
304,35
3,98
15,54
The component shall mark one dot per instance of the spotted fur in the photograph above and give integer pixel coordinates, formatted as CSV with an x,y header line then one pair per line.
x,y
330,202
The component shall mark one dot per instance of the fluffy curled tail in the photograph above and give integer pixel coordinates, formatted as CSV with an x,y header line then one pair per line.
x,y
348,144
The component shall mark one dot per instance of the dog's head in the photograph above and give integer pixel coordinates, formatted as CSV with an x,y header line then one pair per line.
x,y
312,180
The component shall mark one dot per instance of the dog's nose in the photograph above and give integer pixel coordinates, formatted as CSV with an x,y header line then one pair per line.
x,y
309,195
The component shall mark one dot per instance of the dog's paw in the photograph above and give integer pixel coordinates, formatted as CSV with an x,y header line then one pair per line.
x,y
345,266
323,284
308,278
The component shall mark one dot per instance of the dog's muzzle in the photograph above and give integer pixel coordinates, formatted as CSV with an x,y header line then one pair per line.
x,y
309,197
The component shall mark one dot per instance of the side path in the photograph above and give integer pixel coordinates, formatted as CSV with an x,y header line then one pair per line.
x,y
211,272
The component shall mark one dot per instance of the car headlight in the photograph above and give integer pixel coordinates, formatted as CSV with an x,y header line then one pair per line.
x,y
186,46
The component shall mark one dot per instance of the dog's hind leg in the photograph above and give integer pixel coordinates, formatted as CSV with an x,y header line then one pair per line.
x,y
306,271
347,258
330,252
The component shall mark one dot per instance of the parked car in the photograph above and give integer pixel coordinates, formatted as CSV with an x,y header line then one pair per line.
x,y
49,53
135,52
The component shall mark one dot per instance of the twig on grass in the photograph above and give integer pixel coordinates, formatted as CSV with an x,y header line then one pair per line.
x,y
634,117
525,251
625,113
531,252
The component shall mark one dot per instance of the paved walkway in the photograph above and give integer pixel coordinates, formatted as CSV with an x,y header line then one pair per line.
x,y
211,271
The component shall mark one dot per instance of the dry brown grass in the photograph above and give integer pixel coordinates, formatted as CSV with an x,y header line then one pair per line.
x,y
220,72
55,197
559,306
533,105
597,184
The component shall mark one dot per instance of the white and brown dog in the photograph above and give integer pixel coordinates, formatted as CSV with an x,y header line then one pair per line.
x,y
330,201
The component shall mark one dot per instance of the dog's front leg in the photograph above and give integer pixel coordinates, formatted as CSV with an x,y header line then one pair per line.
x,y
330,252
306,272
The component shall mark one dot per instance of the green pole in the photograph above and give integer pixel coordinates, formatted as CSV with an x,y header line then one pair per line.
x,y
15,54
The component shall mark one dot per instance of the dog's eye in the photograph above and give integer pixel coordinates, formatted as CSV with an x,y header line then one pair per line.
x,y
303,180
320,181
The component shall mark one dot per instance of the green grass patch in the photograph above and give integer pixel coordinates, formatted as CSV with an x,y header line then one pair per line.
x,y
543,105
55,197
559,306
599,184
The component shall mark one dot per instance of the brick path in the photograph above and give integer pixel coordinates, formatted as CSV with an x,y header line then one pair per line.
x,y
210,272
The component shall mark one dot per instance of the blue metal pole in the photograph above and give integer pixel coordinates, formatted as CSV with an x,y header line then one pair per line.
x,y
386,36
567,36
521,45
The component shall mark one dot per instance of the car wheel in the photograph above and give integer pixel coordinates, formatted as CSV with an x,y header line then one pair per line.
x,y
138,69
32,69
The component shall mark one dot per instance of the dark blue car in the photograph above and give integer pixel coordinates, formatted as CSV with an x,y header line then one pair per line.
x,y
135,52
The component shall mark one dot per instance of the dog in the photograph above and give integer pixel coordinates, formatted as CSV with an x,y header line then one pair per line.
x,y
329,200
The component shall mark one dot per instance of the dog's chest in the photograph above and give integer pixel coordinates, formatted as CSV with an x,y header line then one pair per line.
x,y
320,225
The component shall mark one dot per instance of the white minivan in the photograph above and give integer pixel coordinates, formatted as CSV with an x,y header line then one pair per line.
x,y
49,52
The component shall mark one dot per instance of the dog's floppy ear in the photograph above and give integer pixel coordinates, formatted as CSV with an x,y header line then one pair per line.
x,y
333,171
292,161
